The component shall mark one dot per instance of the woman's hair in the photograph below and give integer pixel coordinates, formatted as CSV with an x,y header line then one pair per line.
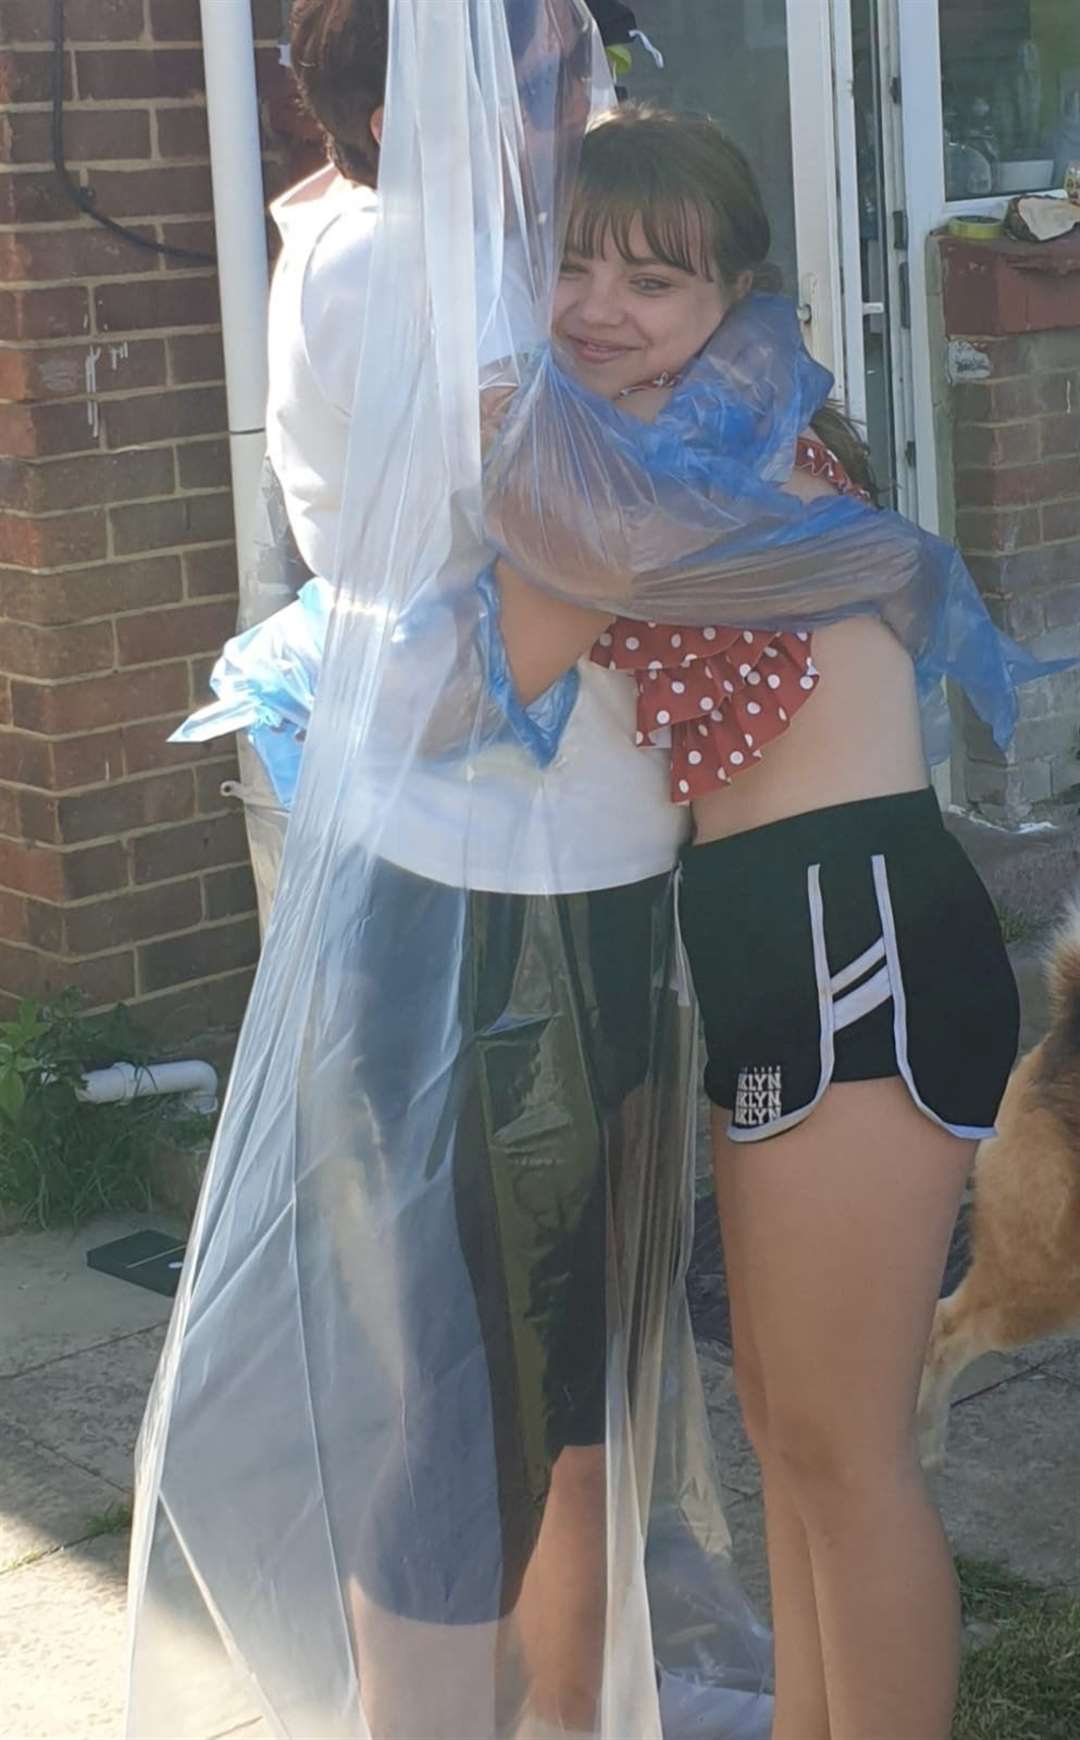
x,y
339,56
700,208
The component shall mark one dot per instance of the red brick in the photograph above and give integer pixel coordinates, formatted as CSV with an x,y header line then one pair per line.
x,y
27,77
36,486
183,133
175,21
133,917
13,918
170,301
104,982
993,530
93,592
52,875
86,20
60,312
988,444
203,464
91,760
126,806
1017,485
60,709
36,818
58,652
106,74
190,1015
27,430
192,519
26,760
207,844
53,543
33,196
170,634
195,235
60,371
167,416
45,926
1012,400
229,893
196,356
209,799
167,190
1061,519
147,747
10,823
98,136
75,252
211,573
1060,434
199,954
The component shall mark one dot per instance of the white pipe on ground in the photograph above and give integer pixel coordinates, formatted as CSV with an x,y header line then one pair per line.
x,y
196,1081
236,159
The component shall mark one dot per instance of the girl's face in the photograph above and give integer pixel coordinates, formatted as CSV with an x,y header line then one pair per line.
x,y
622,322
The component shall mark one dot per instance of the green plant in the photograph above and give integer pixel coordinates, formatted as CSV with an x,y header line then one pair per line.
x,y
62,1160
1016,927
1023,1681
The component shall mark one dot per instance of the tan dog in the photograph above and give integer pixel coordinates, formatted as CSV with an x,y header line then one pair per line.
x,y
1024,1278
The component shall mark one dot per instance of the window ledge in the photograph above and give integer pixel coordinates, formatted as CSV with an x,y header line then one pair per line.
x,y
995,288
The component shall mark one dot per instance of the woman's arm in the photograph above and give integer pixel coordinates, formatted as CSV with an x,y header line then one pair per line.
x,y
544,636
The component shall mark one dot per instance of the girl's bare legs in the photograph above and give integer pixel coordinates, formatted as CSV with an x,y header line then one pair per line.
x,y
801,1711
838,1232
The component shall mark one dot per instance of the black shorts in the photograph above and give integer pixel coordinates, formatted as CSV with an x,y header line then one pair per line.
x,y
497,1185
849,944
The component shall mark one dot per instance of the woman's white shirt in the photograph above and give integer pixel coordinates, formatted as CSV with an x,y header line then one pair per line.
x,y
598,815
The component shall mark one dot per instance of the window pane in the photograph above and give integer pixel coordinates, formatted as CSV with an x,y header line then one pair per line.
x,y
1010,74
729,58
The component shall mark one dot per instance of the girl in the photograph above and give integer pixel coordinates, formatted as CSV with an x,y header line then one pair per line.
x,y
859,1009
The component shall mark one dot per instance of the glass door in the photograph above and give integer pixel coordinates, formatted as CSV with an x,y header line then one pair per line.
x,y
763,69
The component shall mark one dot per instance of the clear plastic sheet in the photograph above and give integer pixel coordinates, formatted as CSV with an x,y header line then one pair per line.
x,y
427,1455
683,520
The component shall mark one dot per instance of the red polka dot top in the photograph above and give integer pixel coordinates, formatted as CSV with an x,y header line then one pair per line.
x,y
719,695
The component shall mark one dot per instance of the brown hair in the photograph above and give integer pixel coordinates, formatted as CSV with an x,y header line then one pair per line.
x,y
339,56
701,211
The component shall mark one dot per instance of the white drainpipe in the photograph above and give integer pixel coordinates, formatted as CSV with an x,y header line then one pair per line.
x,y
239,214
196,1081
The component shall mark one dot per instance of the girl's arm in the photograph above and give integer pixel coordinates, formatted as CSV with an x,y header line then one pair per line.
x,y
543,636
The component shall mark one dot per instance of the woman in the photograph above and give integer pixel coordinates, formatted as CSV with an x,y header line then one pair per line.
x,y
435,1297
860,1013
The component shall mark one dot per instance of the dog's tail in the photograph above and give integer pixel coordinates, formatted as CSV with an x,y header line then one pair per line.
x,y
1063,974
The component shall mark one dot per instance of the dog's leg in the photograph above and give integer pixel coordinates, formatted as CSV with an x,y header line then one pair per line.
x,y
960,1334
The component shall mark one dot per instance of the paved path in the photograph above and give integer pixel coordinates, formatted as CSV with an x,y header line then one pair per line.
x,y
77,1352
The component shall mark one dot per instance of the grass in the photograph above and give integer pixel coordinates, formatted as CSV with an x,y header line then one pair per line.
x,y
1021,1680
114,1520
1016,927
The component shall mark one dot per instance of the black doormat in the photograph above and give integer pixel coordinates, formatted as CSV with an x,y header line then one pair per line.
x,y
146,1259
707,1285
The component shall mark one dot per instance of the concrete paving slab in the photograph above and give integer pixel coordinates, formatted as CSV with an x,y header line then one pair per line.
x,y
1008,1489
736,1460
1062,1359
89,1405
987,1372
746,1520
46,1501
62,1644
52,1304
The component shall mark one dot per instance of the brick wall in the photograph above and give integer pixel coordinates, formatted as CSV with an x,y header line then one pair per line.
x,y
122,869
1013,315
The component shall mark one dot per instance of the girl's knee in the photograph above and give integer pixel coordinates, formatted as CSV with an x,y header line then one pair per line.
x,y
830,1467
